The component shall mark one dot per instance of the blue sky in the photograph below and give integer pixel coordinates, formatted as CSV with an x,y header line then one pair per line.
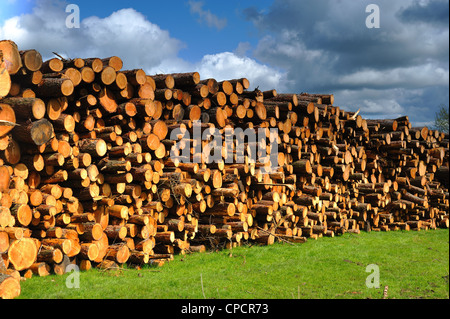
x,y
185,20
198,36
316,46
11,8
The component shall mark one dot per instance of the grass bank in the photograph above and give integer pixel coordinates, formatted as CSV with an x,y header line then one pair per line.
x,y
411,265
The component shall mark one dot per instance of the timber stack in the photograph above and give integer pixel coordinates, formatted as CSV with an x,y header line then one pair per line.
x,y
99,167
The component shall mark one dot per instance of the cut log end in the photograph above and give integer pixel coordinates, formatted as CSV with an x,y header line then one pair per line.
x,y
7,119
22,253
9,287
10,56
5,82
38,132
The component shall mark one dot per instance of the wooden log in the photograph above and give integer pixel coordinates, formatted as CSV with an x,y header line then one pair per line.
x,y
87,74
108,75
116,232
55,106
89,251
5,178
9,286
54,87
119,211
93,147
185,79
24,79
95,63
65,123
226,192
167,237
49,255
25,108
442,175
73,63
22,253
107,100
302,166
52,65
118,252
22,213
4,243
7,119
163,81
384,124
5,80
37,132
10,56
91,231
136,76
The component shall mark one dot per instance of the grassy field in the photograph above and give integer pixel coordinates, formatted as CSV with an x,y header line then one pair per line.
x,y
411,265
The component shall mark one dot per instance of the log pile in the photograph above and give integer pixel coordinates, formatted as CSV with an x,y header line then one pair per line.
x,y
100,166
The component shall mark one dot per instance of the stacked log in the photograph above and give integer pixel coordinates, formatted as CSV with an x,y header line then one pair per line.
x,y
101,166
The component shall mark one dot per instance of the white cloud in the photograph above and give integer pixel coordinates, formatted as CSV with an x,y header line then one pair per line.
x,y
409,77
325,48
242,48
211,20
286,47
395,73
227,66
382,106
389,103
128,34
125,33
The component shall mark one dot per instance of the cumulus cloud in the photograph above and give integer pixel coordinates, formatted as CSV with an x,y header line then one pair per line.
x,y
325,47
228,65
319,46
372,104
432,11
206,16
125,33
410,77
382,106
128,34
243,48
338,29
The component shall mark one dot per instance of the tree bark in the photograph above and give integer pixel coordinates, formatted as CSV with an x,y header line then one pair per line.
x,y
37,132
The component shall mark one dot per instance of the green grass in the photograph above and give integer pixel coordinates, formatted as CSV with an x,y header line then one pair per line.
x,y
412,265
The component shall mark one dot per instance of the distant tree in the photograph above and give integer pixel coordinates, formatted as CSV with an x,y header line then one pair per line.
x,y
441,119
